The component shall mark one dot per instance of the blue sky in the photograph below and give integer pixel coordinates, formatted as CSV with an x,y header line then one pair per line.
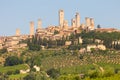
x,y
18,13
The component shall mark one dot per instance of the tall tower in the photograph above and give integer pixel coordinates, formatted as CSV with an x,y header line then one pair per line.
x,y
65,24
92,24
87,19
17,32
73,22
61,18
39,24
31,28
77,16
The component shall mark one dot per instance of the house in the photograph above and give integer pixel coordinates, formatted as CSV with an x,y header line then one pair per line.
x,y
101,47
67,43
24,71
37,68
89,47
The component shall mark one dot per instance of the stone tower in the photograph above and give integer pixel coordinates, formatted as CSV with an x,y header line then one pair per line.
x,y
87,19
31,28
77,17
39,25
65,24
61,18
92,24
17,32
73,22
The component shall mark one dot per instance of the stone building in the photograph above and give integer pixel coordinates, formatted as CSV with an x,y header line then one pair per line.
x,y
87,19
77,17
17,32
92,24
61,18
31,28
65,25
73,23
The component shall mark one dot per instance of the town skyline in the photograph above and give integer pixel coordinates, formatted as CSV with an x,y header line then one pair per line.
x,y
20,16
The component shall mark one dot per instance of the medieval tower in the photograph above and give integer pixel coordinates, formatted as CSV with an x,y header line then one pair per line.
x,y
92,23
61,18
17,32
39,25
77,17
87,19
31,28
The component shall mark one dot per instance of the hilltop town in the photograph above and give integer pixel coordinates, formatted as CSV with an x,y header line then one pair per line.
x,y
52,32
79,51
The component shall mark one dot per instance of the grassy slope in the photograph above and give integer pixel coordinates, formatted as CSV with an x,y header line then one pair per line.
x,y
17,76
13,68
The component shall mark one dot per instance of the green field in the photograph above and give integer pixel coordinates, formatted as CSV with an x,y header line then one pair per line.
x,y
17,76
13,68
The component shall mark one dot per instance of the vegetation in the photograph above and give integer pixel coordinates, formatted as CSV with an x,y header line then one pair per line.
x,y
12,60
4,50
59,62
13,68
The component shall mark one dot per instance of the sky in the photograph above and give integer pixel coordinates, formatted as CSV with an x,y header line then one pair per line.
x,y
18,13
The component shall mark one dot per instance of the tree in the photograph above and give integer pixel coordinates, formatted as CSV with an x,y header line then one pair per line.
x,y
98,26
53,73
4,50
12,60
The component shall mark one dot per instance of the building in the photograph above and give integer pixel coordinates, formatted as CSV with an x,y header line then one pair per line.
x,y
61,18
100,47
31,28
77,17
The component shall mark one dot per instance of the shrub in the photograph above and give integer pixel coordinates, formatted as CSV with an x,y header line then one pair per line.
x,y
4,50
9,72
53,73
30,76
92,73
33,69
12,60
16,71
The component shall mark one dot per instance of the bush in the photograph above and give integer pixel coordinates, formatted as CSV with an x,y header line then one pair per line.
x,y
4,50
16,71
12,60
93,73
53,73
9,73
33,69
30,76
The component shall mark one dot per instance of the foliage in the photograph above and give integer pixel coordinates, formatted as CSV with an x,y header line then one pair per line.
x,y
13,68
98,26
69,77
74,47
12,60
17,76
17,71
53,73
4,50
3,76
33,44
30,76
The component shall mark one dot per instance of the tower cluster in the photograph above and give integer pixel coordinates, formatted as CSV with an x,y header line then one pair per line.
x,y
75,22
63,29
